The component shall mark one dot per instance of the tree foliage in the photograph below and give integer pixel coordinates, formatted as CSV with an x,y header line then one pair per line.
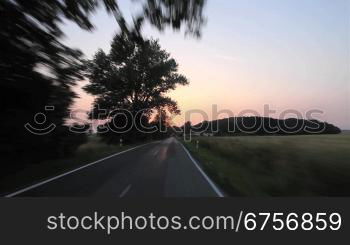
x,y
135,76
174,13
234,126
36,70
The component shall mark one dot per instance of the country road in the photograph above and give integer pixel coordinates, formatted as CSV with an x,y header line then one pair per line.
x,y
158,169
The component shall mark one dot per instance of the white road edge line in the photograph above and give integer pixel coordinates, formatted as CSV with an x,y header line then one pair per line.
x,y
211,183
72,171
125,191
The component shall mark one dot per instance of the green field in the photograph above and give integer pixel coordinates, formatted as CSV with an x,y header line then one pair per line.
x,y
91,151
317,165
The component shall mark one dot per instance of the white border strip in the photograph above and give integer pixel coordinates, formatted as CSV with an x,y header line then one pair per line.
x,y
211,183
72,171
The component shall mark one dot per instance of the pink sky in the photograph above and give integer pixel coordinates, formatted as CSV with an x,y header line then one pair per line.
x,y
285,54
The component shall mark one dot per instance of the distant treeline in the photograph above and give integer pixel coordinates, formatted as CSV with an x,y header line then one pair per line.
x,y
261,126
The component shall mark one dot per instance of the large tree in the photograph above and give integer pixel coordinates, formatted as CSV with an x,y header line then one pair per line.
x,y
135,76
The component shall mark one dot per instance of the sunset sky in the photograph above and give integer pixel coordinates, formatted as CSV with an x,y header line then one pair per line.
x,y
286,54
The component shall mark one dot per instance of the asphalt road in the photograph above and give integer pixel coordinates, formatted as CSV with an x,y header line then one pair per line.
x,y
159,169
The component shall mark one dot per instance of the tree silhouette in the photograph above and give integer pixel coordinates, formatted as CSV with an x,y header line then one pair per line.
x,y
160,124
234,126
135,76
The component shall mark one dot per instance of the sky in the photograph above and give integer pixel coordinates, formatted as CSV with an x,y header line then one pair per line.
x,y
287,55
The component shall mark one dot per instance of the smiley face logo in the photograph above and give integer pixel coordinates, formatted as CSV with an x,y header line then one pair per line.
x,y
40,120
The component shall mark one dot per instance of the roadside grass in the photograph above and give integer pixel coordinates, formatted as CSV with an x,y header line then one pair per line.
x,y
315,165
91,151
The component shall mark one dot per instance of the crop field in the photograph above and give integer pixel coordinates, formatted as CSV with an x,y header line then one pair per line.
x,y
315,165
